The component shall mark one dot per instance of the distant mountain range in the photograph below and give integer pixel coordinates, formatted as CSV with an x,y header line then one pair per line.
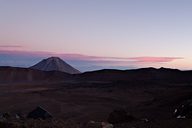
x,y
14,75
161,75
55,64
55,69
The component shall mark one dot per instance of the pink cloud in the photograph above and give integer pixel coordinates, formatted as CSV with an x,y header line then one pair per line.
x,y
11,46
147,59
27,53
155,59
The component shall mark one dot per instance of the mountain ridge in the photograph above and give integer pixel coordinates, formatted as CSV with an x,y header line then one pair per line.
x,y
161,75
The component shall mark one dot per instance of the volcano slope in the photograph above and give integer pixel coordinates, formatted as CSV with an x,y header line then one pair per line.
x,y
151,94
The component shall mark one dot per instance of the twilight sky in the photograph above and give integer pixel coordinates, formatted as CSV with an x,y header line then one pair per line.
x,y
97,34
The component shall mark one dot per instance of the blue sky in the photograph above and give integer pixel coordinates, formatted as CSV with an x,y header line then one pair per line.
x,y
153,29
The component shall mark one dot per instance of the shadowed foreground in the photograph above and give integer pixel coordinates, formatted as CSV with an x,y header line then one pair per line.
x,y
81,102
85,101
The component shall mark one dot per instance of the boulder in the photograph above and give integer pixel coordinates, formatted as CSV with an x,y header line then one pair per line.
x,y
94,124
120,116
39,113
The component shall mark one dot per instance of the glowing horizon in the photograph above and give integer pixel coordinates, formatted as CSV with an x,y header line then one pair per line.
x,y
82,62
97,34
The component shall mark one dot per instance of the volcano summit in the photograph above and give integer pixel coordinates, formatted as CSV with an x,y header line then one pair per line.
x,y
55,64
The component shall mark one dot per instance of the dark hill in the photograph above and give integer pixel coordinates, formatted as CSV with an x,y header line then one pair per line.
x,y
23,75
160,75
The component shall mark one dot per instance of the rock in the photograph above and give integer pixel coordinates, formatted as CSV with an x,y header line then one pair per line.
x,y
145,120
184,110
39,113
19,116
106,125
120,116
94,124
6,115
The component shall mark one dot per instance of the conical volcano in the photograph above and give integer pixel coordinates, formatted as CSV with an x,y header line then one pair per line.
x,y
55,64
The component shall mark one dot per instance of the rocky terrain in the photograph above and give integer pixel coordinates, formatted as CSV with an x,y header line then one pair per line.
x,y
142,98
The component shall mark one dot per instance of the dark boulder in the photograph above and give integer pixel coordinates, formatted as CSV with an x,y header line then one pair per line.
x,y
39,113
120,116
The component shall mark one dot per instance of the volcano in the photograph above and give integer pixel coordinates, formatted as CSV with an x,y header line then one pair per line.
x,y
55,64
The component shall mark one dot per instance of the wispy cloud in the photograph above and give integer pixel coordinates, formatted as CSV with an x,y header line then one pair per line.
x,y
11,46
146,59
155,59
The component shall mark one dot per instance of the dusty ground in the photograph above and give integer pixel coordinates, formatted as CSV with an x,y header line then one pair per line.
x,y
82,102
